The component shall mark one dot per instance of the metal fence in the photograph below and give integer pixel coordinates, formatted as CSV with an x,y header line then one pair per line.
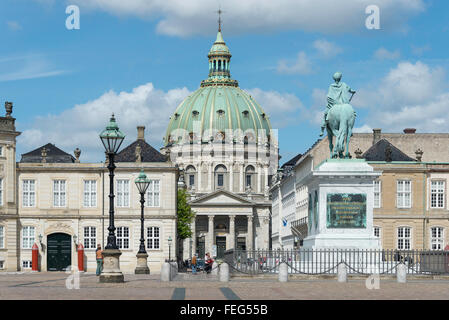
x,y
326,261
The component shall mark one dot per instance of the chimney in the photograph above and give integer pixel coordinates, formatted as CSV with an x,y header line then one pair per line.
x,y
409,130
141,133
376,135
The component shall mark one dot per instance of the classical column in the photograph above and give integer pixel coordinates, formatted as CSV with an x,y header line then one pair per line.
x,y
266,176
232,232
231,177
193,236
242,174
259,178
249,237
210,234
199,174
210,177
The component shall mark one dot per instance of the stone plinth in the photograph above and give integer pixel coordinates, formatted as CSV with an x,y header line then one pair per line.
x,y
341,200
111,267
142,266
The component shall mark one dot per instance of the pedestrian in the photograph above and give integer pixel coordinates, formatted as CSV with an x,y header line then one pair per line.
x,y
99,255
193,264
209,262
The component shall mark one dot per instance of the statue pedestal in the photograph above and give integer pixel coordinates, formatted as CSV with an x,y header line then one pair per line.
x,y
142,266
111,267
341,200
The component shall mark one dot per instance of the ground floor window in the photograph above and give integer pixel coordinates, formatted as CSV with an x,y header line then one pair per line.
x,y
404,238
436,240
26,264
90,237
123,237
153,238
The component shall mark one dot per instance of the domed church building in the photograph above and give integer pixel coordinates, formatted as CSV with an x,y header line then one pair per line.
x,y
223,143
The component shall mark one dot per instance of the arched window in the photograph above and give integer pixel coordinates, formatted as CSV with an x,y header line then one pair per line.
x,y
249,176
191,173
220,176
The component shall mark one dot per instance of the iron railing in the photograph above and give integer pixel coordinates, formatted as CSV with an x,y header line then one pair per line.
x,y
326,261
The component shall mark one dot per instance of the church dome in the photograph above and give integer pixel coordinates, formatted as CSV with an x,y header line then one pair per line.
x,y
219,105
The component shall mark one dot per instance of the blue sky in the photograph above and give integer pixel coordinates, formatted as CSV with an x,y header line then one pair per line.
x,y
140,58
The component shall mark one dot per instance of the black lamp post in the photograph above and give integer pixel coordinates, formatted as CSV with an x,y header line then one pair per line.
x,y
169,248
112,139
142,183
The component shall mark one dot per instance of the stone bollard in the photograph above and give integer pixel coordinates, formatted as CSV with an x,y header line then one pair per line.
x,y
342,273
283,272
224,272
215,268
401,273
166,272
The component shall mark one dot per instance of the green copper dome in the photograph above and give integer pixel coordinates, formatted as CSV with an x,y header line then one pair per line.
x,y
217,106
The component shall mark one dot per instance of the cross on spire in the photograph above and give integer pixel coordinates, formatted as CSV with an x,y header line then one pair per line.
x,y
219,18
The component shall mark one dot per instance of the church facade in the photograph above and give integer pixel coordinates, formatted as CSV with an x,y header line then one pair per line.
x,y
223,143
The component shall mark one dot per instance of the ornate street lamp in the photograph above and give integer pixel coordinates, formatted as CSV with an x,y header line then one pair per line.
x,y
112,139
142,183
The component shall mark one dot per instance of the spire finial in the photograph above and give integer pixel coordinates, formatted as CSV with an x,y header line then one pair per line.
x,y
219,18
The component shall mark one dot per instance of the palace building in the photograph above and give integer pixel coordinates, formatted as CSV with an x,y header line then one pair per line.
x,y
222,141
53,201
410,197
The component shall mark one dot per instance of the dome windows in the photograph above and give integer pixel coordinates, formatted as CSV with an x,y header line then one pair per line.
x,y
195,113
221,113
245,113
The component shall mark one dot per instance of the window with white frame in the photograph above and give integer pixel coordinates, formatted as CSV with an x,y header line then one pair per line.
x,y
123,237
404,238
436,238
90,237
28,193
2,264
90,193
404,194
153,238
59,193
377,194
27,264
28,237
153,194
437,194
122,193
2,237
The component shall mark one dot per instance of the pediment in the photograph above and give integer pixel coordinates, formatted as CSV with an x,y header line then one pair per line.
x,y
221,197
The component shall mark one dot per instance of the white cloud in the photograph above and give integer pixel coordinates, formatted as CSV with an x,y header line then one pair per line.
x,y
185,18
384,54
81,125
301,65
412,95
13,25
327,49
282,108
27,67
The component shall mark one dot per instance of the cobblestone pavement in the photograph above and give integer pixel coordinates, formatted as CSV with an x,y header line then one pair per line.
x,y
53,286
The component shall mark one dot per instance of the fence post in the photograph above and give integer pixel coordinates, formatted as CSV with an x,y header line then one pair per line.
x,y
224,272
342,272
283,272
401,273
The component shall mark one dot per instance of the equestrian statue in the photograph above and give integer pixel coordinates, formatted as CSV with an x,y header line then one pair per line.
x,y
339,117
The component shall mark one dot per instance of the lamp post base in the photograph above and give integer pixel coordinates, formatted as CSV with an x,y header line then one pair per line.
x,y
111,267
142,267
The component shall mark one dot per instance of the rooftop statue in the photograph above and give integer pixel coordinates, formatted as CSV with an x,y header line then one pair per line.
x,y
339,117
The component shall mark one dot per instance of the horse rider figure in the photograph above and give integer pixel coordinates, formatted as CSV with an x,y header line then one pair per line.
x,y
338,94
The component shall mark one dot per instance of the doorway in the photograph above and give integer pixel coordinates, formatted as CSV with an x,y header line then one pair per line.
x,y
221,246
59,251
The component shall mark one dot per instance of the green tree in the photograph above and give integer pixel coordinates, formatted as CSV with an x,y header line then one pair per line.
x,y
185,215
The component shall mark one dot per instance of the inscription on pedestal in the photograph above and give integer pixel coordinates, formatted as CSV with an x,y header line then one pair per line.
x,y
346,210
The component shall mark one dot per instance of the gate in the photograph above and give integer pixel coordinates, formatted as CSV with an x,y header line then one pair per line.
x,y
59,251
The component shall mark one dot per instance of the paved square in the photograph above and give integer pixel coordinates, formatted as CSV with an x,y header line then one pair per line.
x,y
53,286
